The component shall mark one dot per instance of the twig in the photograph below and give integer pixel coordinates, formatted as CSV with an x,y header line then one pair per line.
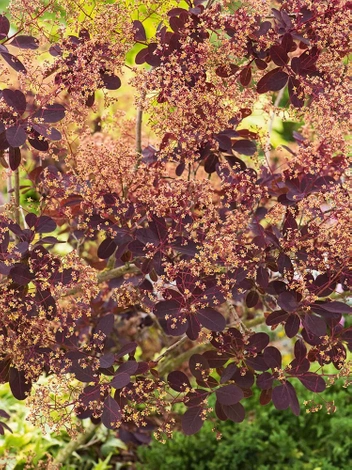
x,y
65,453
182,340
139,122
238,322
107,276
17,196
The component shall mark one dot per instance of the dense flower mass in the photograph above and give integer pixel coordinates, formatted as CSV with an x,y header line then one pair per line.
x,y
150,261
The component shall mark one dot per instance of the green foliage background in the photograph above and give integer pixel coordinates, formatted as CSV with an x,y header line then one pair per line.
x,y
267,440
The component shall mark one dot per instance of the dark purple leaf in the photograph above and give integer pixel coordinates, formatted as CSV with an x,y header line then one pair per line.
x,y
258,342
111,82
245,147
292,325
106,248
178,381
252,299
281,397
4,426
245,76
3,414
20,387
211,319
224,141
21,275
199,366
265,396
235,413
141,56
83,374
272,357
106,324
215,359
278,55
120,380
300,350
16,136
55,50
45,224
288,301
167,307
262,277
277,317
51,113
257,363
13,62
294,405
314,324
210,163
107,360
15,99
295,92
313,382
334,307
128,348
192,420
229,372
39,144
139,31
50,133
265,381
261,64
111,416
14,158
287,42
196,397
220,412
130,367
227,70
272,81
244,380
4,27
151,58
193,328
25,42
229,394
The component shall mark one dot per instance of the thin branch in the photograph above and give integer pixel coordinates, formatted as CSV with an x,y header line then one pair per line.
x,y
139,122
237,321
182,340
107,276
65,453
17,197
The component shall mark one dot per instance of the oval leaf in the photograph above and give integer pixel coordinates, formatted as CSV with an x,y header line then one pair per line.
x,y
15,99
235,413
111,416
4,26
20,387
13,62
25,42
211,319
106,248
313,382
192,420
51,113
178,381
16,136
229,394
